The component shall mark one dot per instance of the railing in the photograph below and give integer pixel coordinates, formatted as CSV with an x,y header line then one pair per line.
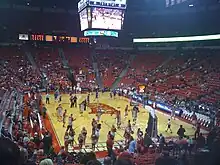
x,y
5,105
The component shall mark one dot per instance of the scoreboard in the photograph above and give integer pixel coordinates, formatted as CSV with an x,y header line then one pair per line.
x,y
102,14
170,3
117,4
53,38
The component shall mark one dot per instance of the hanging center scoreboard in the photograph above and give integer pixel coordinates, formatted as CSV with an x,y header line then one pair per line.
x,y
102,14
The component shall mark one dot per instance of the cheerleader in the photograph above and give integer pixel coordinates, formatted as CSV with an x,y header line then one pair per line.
x,y
169,126
84,133
126,111
118,119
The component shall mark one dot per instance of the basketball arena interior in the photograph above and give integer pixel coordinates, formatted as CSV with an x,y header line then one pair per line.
x,y
112,82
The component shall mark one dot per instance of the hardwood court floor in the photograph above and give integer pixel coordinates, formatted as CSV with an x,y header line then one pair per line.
x,y
107,120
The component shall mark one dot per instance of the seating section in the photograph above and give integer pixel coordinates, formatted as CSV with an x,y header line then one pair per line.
x,y
141,67
191,81
49,63
111,63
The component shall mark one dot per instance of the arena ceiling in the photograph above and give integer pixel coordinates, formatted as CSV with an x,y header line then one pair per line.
x,y
143,18
133,5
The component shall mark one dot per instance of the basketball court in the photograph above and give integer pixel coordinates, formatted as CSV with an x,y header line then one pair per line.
x,y
108,105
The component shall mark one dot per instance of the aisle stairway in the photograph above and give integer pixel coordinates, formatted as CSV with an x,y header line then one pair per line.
x,y
32,61
66,66
96,70
123,73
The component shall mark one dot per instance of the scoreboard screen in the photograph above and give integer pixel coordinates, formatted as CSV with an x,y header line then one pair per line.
x,y
170,3
102,14
82,4
108,33
120,4
83,15
52,38
105,18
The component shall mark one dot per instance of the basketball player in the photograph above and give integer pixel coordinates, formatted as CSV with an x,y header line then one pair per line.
x,y
70,122
48,98
118,119
71,101
94,123
75,101
113,131
110,95
169,126
99,114
173,114
80,140
194,120
64,118
126,111
134,114
59,113
114,93
81,109
129,129
84,134
96,94
88,99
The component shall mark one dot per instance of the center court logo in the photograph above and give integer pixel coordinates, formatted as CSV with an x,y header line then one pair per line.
x,y
106,108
